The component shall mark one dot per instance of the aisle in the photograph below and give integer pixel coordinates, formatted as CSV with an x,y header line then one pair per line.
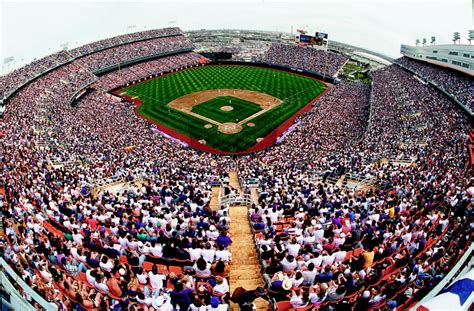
x,y
245,269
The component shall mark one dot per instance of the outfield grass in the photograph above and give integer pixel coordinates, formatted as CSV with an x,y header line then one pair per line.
x,y
212,109
295,90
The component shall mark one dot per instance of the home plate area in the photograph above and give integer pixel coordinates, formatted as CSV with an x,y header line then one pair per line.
x,y
230,128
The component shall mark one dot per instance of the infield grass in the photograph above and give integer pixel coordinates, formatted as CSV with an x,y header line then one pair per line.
x,y
212,109
294,90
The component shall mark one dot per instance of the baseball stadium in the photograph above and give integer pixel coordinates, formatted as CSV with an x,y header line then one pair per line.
x,y
188,168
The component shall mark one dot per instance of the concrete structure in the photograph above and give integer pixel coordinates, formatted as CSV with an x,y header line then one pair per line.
x,y
455,56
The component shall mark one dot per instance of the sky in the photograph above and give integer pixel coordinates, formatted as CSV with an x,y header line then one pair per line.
x,y
34,29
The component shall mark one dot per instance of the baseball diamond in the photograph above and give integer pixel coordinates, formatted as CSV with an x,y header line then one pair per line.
x,y
228,106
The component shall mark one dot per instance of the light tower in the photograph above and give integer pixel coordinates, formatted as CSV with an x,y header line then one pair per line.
x,y
456,37
470,36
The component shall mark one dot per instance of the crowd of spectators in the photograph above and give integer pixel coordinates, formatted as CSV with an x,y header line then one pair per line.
x,y
124,39
324,244
151,68
100,54
13,80
147,246
458,84
305,58
147,48
156,244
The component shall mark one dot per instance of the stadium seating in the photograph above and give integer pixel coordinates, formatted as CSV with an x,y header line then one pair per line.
x,y
293,56
365,204
458,84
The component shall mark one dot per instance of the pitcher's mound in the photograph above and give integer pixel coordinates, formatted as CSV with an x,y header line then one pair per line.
x,y
208,126
230,128
227,108
250,124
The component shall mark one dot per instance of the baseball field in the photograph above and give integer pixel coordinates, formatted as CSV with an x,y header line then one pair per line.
x,y
230,108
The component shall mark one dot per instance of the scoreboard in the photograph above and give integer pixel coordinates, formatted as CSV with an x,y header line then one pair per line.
x,y
319,39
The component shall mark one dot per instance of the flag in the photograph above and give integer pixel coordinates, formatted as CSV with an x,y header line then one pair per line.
x,y
457,296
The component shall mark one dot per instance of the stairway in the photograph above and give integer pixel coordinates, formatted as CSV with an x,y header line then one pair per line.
x,y
254,194
214,203
234,181
245,268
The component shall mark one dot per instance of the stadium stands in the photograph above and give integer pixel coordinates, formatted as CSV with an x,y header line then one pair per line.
x,y
124,39
293,56
100,54
374,248
459,85
17,78
156,243
120,54
139,71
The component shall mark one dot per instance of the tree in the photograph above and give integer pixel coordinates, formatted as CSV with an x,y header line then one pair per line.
x,y
417,42
433,40
424,41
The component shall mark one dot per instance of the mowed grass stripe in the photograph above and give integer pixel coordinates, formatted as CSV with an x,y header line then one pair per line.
x,y
295,91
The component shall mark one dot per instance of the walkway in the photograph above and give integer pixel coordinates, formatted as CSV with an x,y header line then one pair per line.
x,y
214,203
245,269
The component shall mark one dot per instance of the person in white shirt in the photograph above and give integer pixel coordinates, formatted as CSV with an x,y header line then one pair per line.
x,y
142,276
297,279
319,233
194,252
106,264
162,303
123,241
293,248
90,276
144,300
328,259
208,254
156,249
289,264
223,254
339,255
156,279
101,285
202,267
309,274
77,254
212,233
316,260
45,274
222,286
132,243
299,299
